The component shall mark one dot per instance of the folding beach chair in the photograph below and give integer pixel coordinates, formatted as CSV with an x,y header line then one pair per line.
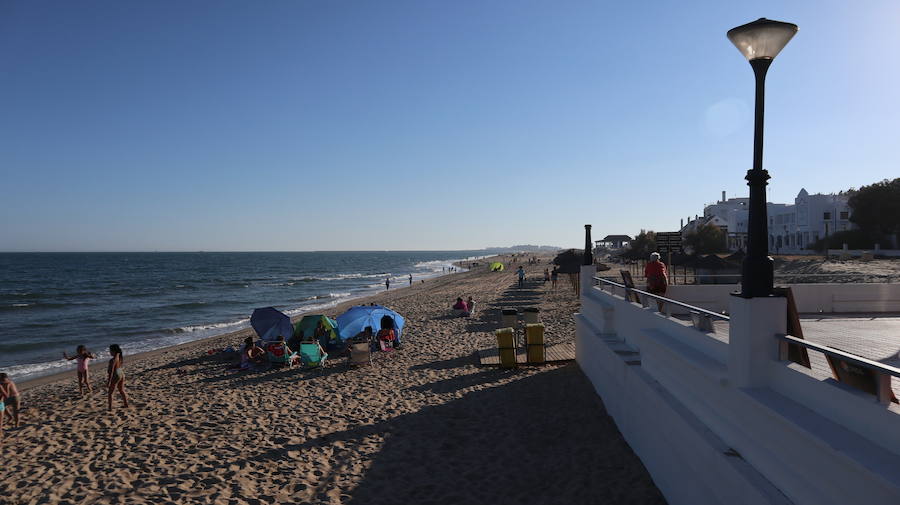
x,y
311,355
277,354
360,354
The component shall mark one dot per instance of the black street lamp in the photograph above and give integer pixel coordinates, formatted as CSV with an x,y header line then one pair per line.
x,y
759,41
588,258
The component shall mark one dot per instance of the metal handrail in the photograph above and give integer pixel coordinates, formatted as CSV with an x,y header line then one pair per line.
x,y
883,373
663,299
846,356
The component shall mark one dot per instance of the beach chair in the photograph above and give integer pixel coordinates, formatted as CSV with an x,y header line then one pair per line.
x,y
277,354
311,355
360,354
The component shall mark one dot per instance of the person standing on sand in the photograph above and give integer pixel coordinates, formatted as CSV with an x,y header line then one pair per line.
x,y
9,396
84,358
521,273
115,376
387,283
546,275
410,279
554,279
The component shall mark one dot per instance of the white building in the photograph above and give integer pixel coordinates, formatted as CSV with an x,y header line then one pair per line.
x,y
792,227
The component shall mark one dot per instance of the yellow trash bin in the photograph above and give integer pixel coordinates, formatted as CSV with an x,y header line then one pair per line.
x,y
534,343
506,347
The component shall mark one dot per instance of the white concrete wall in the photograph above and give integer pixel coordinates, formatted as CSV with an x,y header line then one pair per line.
x,y
708,433
810,298
856,253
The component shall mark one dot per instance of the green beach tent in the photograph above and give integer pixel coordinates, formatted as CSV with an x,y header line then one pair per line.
x,y
306,327
496,266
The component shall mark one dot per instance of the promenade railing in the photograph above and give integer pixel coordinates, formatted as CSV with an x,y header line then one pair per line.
x,y
878,383
880,373
700,317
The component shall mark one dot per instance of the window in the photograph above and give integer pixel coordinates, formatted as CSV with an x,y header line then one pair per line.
x,y
827,216
845,214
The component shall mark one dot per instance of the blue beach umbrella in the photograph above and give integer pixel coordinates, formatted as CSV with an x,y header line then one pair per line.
x,y
353,321
270,323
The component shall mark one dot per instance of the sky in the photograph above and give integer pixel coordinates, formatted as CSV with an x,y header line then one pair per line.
x,y
414,125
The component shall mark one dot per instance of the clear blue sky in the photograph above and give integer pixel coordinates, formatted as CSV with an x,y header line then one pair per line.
x,y
311,125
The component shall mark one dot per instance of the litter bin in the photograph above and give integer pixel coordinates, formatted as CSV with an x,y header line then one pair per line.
x,y
534,344
532,315
509,318
506,347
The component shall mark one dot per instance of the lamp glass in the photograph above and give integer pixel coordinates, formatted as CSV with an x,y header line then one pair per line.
x,y
762,39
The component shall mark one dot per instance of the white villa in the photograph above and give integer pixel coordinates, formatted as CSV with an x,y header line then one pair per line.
x,y
792,227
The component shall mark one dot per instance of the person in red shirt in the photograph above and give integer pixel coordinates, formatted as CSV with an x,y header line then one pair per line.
x,y
657,277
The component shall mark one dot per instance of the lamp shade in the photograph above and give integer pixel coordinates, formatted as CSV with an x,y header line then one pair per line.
x,y
762,39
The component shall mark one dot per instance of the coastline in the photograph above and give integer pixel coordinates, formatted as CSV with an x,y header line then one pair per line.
x,y
424,424
232,337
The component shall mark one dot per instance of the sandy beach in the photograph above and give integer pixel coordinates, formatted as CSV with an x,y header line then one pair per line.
x,y
426,424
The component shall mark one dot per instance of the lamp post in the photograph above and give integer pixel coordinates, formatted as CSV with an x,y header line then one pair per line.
x,y
588,258
759,41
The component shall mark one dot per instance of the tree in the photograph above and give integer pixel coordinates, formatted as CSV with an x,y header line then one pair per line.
x,y
642,245
876,208
706,240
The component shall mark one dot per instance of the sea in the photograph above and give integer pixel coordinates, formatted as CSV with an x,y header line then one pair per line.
x,y
52,302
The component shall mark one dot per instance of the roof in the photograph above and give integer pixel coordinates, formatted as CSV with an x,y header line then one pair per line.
x,y
617,237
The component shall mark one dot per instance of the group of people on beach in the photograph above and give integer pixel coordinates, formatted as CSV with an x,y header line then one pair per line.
x,y
464,308
115,373
11,402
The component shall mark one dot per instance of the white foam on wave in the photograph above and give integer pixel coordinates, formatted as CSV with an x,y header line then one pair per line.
x,y
213,326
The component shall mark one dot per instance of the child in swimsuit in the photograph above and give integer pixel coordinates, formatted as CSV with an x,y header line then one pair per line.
x,y
115,376
2,410
11,400
84,358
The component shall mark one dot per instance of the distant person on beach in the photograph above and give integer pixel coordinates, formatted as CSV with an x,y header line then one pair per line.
x,y
387,283
546,275
521,273
321,334
657,277
554,279
410,279
364,336
9,397
250,353
84,358
115,376
471,303
386,338
460,305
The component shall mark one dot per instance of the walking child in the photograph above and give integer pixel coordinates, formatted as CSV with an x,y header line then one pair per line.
x,y
10,398
84,357
116,376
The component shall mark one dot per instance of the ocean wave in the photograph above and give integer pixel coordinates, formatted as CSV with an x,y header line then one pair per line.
x,y
343,277
207,327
